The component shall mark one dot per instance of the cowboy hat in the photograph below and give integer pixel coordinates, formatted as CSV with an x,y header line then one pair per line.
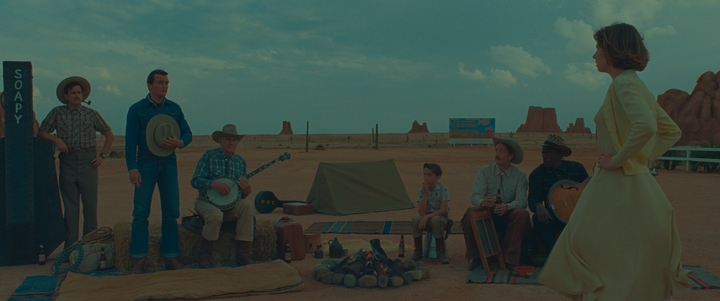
x,y
227,130
83,83
557,142
510,142
158,128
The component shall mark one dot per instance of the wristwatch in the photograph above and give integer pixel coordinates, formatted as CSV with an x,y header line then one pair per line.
x,y
103,155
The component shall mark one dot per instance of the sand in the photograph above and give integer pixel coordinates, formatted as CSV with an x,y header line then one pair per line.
x,y
693,195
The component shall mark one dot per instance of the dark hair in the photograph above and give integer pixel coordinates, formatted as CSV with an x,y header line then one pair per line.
x,y
510,150
151,77
434,168
71,85
623,46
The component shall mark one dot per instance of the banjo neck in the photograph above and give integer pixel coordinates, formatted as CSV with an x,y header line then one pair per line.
x,y
283,157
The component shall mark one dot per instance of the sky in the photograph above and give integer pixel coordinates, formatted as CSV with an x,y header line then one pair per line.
x,y
344,66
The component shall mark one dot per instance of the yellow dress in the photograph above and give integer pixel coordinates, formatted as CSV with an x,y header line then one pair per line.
x,y
621,242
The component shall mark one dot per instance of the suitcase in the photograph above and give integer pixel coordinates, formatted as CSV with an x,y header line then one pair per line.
x,y
298,208
312,241
287,229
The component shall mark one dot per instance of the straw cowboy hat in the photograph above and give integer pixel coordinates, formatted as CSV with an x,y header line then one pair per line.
x,y
227,130
510,142
83,83
158,128
557,142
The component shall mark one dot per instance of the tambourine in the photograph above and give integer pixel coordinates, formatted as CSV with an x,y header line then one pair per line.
x,y
224,202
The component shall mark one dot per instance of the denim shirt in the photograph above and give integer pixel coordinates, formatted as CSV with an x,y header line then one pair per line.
x,y
138,117
543,178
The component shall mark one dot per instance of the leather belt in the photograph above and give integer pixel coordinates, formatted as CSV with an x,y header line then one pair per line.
x,y
82,150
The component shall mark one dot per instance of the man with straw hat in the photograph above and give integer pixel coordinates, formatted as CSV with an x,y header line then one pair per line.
x,y
215,165
554,168
155,128
501,180
76,127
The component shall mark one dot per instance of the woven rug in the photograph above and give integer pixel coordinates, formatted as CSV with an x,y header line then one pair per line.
x,y
369,227
700,280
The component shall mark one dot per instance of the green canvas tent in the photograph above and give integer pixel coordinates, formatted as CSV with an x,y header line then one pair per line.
x,y
358,187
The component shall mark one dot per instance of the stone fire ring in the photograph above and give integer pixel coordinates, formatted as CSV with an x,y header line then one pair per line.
x,y
324,273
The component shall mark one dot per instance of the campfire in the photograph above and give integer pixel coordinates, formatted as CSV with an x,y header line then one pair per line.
x,y
370,268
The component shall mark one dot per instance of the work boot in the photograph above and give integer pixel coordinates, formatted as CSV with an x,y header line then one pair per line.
x,y
205,253
173,264
474,264
440,247
138,265
242,257
418,253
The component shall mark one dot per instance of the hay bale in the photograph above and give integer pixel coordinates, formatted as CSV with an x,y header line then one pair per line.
x,y
122,233
263,247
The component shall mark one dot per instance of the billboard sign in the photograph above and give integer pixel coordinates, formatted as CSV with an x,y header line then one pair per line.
x,y
471,130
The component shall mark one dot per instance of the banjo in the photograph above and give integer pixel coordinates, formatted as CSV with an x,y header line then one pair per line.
x,y
225,202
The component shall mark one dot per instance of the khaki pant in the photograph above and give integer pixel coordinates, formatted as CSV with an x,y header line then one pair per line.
x,y
516,223
243,213
78,182
436,225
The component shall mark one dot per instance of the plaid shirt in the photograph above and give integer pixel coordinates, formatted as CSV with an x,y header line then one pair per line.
x,y
75,127
512,183
215,164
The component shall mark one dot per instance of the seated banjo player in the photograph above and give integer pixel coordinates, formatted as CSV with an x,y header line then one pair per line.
x,y
222,188
553,169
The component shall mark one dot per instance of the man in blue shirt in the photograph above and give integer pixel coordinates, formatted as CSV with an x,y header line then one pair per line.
x,y
146,169
554,168
214,165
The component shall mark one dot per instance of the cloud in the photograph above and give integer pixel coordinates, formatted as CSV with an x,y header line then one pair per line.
x,y
502,77
585,75
519,60
636,12
656,31
110,89
474,75
579,33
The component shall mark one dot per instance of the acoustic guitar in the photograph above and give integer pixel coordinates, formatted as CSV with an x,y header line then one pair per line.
x,y
563,197
266,202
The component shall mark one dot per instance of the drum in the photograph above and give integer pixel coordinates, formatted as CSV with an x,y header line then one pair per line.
x,y
228,201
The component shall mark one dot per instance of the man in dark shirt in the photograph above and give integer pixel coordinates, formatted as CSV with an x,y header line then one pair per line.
x,y
554,168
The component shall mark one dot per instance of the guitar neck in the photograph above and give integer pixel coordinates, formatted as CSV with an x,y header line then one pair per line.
x,y
261,168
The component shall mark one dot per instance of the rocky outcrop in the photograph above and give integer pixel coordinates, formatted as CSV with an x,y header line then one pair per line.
x,y
698,113
578,127
543,120
417,128
287,128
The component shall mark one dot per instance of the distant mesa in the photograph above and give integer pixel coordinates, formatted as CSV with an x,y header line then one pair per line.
x,y
287,128
697,114
578,127
417,128
540,120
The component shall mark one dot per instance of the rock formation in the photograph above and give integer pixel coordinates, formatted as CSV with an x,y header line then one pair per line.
x,y
543,120
287,128
578,127
417,128
697,114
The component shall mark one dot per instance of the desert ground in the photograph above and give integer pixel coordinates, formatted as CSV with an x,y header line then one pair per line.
x,y
693,195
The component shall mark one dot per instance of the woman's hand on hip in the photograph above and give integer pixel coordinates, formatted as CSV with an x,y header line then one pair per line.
x,y
605,161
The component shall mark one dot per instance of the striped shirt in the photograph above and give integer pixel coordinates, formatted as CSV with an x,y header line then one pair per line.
x,y
512,183
215,164
76,127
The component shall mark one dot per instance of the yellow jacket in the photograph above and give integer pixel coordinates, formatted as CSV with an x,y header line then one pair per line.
x,y
640,130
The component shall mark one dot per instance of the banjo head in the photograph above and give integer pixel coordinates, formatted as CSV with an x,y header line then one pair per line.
x,y
227,201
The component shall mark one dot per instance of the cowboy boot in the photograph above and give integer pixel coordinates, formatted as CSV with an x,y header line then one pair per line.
x,y
418,253
441,253
242,257
173,264
205,253
138,265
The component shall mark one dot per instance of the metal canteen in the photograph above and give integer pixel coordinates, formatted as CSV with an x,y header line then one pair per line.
x,y
336,249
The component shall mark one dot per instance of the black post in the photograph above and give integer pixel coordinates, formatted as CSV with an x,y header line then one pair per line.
x,y
18,242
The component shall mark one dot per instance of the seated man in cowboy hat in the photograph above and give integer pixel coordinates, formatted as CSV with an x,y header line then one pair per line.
x,y
216,164
553,169
76,127
505,181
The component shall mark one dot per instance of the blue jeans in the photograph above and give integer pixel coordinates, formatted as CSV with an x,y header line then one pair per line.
x,y
163,172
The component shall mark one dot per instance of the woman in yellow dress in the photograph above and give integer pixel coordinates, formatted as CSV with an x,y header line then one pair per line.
x,y
621,242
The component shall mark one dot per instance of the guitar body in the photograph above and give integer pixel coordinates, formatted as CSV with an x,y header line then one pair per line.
x,y
563,197
266,202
